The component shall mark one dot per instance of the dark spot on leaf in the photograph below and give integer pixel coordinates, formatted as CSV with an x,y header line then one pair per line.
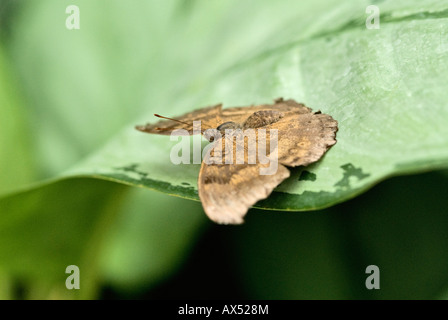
x,y
350,171
167,187
132,168
307,176
185,183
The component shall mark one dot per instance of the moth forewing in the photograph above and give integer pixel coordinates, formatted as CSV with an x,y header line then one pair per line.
x,y
180,152
265,157
246,146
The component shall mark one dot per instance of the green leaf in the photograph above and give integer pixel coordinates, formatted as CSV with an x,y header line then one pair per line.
x,y
15,153
386,88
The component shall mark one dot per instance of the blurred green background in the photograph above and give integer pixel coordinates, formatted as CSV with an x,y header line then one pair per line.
x,y
78,185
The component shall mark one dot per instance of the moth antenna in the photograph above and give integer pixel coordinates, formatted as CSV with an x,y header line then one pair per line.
x,y
163,129
159,116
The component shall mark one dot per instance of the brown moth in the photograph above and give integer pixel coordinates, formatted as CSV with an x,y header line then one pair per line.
x,y
228,189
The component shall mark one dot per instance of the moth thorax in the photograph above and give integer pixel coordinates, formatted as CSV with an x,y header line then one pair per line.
x,y
230,125
262,118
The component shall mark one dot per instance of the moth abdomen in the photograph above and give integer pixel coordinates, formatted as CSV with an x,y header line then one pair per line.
x,y
262,118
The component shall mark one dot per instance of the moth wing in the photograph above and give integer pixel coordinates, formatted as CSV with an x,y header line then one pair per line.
x,y
303,138
208,116
227,191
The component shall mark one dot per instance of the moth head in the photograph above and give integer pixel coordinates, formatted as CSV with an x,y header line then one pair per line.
x,y
215,134
211,134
